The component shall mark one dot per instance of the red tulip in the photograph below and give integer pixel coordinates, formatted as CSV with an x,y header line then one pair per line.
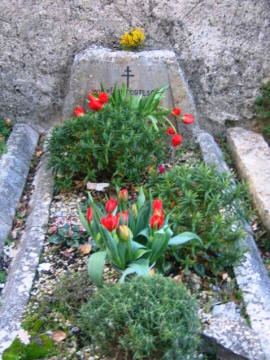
x,y
89,216
176,140
176,112
103,97
109,222
123,216
157,207
170,131
123,195
188,119
156,221
95,104
161,169
79,111
111,205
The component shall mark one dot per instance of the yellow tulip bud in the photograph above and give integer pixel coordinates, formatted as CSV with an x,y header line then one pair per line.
x,y
124,232
134,211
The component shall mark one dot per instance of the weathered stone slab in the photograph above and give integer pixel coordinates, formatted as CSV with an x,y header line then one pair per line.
x,y
251,275
228,334
14,167
23,268
142,72
252,157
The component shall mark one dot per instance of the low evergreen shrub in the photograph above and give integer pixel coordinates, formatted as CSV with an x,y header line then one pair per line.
x,y
203,201
146,318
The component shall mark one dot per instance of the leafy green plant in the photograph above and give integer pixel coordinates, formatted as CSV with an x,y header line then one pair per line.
x,y
203,201
70,235
146,318
5,129
36,349
262,104
133,240
119,141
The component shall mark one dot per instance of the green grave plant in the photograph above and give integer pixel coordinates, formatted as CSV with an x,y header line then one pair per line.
x,y
118,140
262,104
145,318
5,130
203,201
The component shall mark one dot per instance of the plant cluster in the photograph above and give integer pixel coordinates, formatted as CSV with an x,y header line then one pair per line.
x,y
133,39
68,234
149,318
262,104
118,140
5,130
203,201
134,239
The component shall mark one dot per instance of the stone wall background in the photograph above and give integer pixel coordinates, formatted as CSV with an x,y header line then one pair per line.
x,y
222,46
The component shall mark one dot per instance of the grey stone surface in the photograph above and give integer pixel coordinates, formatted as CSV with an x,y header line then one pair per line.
x,y
14,166
251,275
228,335
149,70
221,47
252,157
23,268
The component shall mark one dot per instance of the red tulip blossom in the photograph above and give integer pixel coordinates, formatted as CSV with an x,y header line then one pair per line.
x,y
109,222
157,207
111,205
176,112
89,216
95,105
188,119
123,216
103,98
156,221
79,111
170,131
123,195
176,140
161,169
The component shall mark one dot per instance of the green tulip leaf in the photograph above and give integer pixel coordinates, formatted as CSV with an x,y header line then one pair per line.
x,y
184,238
95,267
140,267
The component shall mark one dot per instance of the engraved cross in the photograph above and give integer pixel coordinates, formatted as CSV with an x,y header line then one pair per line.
x,y
128,75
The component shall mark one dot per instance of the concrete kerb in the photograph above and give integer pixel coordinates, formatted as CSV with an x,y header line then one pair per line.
x,y
23,268
251,275
14,167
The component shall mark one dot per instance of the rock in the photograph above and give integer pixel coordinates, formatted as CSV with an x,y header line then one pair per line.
x,y
229,335
252,157
221,47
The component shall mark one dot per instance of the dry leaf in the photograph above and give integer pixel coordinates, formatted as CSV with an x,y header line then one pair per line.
x,y
152,272
58,336
66,253
39,153
23,336
85,249
97,186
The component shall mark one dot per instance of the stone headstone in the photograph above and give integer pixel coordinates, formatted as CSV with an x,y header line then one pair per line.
x,y
142,72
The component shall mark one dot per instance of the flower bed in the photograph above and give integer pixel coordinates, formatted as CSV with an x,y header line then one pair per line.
x,y
179,225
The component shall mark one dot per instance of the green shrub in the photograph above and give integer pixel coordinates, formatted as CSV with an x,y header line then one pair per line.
x,y
146,318
5,129
202,201
262,104
121,140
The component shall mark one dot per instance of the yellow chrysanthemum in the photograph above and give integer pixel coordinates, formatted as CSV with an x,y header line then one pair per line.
x,y
133,39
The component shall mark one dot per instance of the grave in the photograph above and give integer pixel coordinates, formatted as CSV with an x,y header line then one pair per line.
x,y
142,72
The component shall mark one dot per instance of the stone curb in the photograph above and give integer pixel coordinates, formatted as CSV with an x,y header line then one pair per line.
x,y
23,268
251,275
14,167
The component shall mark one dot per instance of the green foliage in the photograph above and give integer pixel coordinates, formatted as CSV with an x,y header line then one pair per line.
x,y
36,349
5,129
262,102
203,201
119,141
146,318
3,276
70,235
